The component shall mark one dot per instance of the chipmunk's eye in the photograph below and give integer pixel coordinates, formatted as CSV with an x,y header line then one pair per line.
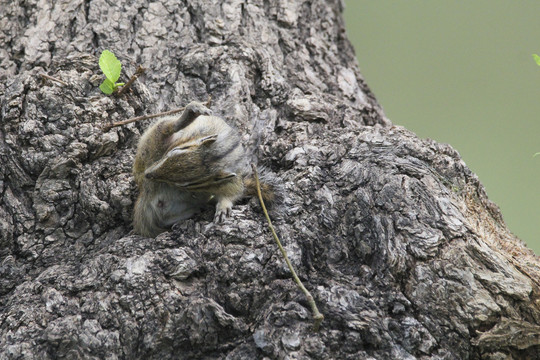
x,y
188,146
178,150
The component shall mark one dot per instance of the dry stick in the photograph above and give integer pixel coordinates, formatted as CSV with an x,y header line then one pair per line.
x,y
317,316
144,117
45,76
140,70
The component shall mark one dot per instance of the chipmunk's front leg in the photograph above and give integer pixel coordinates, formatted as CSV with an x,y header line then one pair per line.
x,y
226,197
192,111
223,210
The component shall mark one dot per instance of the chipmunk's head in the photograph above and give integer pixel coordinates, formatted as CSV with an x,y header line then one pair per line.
x,y
182,162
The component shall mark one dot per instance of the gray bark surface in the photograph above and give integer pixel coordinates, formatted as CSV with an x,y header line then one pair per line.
x,y
393,235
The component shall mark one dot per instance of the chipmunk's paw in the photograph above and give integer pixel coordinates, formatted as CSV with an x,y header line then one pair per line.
x,y
223,210
198,108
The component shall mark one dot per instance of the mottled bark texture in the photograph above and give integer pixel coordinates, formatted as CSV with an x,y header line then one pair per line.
x,y
393,235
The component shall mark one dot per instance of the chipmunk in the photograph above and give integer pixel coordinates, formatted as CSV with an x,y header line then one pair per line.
x,y
182,163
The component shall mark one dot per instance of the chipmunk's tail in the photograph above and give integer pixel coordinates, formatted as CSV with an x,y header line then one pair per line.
x,y
272,189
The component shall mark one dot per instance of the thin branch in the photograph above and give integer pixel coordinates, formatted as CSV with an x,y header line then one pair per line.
x,y
317,316
151,116
45,76
143,117
140,70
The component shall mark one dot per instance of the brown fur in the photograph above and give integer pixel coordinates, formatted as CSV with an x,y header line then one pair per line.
x,y
184,161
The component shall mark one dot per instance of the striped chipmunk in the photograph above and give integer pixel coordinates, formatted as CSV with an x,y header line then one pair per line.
x,y
185,161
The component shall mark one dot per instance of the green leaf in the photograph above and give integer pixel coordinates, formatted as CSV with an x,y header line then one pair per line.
x,y
535,155
110,65
107,86
537,59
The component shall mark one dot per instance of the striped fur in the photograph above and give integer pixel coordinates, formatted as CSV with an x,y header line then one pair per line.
x,y
182,163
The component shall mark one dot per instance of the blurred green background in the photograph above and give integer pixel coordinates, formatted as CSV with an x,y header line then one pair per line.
x,y
462,73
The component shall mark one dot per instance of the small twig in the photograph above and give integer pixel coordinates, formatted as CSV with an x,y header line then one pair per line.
x,y
151,116
45,76
143,117
140,70
317,316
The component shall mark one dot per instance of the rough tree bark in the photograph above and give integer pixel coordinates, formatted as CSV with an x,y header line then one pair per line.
x,y
394,236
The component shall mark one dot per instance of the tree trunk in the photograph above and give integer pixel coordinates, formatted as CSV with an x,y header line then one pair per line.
x,y
393,235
